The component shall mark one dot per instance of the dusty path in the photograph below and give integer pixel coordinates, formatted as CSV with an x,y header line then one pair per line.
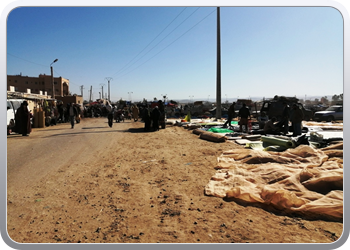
x,y
99,184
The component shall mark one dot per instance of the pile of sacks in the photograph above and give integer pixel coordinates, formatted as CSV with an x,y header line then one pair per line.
x,y
301,179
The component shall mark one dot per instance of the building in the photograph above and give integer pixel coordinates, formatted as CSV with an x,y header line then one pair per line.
x,y
41,85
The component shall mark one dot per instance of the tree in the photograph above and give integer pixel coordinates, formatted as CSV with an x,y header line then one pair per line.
x,y
324,100
335,98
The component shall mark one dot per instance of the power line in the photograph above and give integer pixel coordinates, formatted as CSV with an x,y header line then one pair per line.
x,y
151,41
169,44
163,38
27,60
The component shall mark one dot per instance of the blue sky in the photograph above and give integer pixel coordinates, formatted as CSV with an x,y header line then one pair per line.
x,y
153,51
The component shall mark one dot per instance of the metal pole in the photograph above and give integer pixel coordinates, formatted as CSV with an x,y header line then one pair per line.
x,y
218,69
109,89
53,83
103,96
52,80
82,91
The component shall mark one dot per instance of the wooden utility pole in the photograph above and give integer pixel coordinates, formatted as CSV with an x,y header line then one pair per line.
x,y
218,69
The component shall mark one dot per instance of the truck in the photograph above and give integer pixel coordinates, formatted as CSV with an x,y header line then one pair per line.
x,y
12,106
274,107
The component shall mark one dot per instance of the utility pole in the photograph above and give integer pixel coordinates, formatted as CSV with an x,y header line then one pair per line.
x,y
218,68
102,84
109,90
82,91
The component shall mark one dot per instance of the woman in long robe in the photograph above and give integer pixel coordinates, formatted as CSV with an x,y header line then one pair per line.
x,y
22,120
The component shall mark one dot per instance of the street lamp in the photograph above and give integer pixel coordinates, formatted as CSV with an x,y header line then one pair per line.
x,y
53,84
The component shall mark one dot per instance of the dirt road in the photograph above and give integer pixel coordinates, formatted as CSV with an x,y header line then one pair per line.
x,y
122,185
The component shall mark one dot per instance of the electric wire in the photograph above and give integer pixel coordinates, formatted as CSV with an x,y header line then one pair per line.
x,y
163,38
26,60
151,41
168,44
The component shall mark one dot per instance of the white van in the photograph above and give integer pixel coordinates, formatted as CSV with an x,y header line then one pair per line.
x,y
12,106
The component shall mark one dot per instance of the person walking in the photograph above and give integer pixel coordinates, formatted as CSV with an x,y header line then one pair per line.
x,y
135,112
231,114
72,111
244,115
110,114
296,118
22,120
60,112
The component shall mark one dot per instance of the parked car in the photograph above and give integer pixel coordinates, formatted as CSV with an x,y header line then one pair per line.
x,y
12,106
275,107
330,114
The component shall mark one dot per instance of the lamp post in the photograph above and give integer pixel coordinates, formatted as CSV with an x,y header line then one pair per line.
x,y
52,81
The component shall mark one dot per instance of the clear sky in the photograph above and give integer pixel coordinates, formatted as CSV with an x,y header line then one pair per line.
x,y
155,51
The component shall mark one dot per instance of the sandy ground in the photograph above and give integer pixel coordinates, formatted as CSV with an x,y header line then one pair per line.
x,y
122,185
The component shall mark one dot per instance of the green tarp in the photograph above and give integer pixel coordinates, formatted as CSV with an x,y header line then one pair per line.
x,y
220,130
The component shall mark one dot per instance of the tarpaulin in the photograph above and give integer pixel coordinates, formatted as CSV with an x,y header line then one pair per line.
x,y
220,130
301,179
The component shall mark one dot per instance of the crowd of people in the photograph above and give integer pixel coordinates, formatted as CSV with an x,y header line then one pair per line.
x,y
154,117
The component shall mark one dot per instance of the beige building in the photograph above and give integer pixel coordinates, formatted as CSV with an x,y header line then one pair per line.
x,y
38,85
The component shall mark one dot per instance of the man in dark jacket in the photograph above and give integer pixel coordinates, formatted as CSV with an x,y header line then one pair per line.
x,y
244,115
231,114
72,112
296,118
